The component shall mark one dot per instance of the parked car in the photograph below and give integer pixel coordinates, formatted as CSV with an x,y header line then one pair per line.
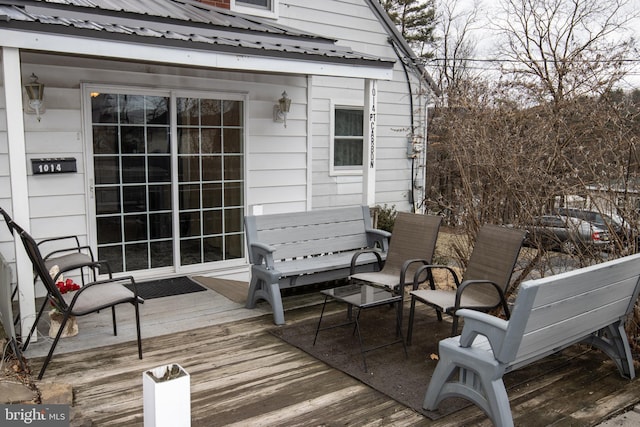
x,y
566,234
612,223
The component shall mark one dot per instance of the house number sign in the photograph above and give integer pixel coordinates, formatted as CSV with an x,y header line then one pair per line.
x,y
57,165
372,124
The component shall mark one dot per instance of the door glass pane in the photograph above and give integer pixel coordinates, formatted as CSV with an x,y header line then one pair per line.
x,y
107,169
105,140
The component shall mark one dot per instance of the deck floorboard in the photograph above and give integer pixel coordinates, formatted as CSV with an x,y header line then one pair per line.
x,y
242,375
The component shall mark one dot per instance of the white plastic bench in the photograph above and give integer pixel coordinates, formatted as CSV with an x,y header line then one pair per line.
x,y
587,305
301,248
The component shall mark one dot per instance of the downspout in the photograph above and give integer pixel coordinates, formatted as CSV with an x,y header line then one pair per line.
x,y
413,159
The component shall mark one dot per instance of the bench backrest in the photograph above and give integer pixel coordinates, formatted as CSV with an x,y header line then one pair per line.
x,y
310,233
555,311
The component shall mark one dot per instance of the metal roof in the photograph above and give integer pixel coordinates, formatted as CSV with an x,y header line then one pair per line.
x,y
177,23
191,11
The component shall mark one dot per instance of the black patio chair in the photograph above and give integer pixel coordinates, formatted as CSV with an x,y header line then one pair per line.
x,y
60,253
90,298
412,245
484,282
67,258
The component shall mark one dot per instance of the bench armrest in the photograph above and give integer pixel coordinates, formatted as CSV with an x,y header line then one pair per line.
x,y
262,254
378,239
479,323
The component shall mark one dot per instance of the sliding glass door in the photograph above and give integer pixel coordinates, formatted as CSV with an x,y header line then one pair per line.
x,y
168,179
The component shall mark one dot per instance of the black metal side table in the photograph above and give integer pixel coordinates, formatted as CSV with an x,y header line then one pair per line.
x,y
363,297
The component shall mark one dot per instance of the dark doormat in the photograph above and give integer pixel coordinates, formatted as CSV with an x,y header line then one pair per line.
x,y
167,287
405,379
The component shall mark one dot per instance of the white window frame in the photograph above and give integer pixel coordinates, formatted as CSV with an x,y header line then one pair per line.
x,y
342,170
256,10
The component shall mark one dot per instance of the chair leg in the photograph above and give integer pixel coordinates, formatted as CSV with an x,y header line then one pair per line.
x,y
364,359
454,327
411,314
53,345
320,319
399,327
400,312
35,324
135,304
113,318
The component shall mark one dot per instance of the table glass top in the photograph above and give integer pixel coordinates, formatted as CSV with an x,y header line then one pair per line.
x,y
362,295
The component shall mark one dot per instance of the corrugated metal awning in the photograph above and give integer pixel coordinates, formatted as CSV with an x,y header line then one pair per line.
x,y
180,26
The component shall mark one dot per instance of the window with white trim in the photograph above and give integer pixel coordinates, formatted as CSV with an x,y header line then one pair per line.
x,y
267,8
348,140
264,4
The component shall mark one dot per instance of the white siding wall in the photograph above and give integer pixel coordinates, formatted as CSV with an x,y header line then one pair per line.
x,y
354,24
276,157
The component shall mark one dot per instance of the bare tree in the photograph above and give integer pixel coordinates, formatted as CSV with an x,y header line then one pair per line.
x,y
563,49
455,46
552,126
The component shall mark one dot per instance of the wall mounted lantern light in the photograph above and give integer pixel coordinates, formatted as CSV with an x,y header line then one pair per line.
x,y
35,93
281,109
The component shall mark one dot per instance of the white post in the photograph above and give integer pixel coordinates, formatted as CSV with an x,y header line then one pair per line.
x,y
166,393
309,194
19,189
369,157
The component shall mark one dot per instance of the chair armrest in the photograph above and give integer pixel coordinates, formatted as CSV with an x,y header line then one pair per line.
x,y
95,265
479,323
429,267
53,239
378,238
464,285
262,254
354,258
75,248
405,266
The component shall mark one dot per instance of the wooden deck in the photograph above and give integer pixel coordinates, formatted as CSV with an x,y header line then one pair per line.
x,y
241,375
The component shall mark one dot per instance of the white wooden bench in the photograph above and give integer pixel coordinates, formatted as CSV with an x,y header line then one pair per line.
x,y
587,305
301,248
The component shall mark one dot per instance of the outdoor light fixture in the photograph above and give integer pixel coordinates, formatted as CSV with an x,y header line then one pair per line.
x,y
35,93
281,109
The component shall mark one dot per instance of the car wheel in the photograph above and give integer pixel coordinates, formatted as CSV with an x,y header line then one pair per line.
x,y
568,247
